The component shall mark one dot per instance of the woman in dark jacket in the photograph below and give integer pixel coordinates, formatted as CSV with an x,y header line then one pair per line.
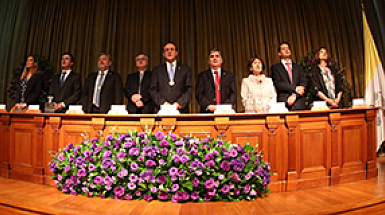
x,y
327,84
31,84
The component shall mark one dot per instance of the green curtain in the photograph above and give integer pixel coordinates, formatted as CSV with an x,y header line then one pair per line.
x,y
239,28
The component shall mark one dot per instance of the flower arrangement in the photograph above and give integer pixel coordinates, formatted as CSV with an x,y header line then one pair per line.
x,y
307,64
44,66
165,167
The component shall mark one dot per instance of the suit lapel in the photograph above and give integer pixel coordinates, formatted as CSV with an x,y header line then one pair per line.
x,y
210,78
286,72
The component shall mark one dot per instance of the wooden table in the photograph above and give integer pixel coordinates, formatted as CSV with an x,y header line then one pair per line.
x,y
305,149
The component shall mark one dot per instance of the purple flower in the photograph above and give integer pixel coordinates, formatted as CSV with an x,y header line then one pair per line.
x,y
225,189
138,193
181,173
59,177
220,142
134,152
147,175
142,134
233,153
97,150
131,186
91,167
208,197
134,167
226,155
73,193
235,176
245,157
121,155
174,198
107,154
210,183
122,173
173,136
174,187
237,192
67,168
128,197
164,151
162,179
106,143
163,195
195,182
159,135
161,162
147,197
246,189
173,171
81,173
141,159
87,153
127,145
133,178
98,179
150,163
61,157
209,156
119,191
106,163
210,164
253,193
198,172
179,143
109,138
176,158
154,189
221,177
225,166
95,139
164,143
237,165
184,159
194,196
174,178
108,180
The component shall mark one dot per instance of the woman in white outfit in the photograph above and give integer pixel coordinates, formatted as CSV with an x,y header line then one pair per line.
x,y
257,90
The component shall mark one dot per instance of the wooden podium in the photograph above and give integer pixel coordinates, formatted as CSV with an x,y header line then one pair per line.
x,y
305,149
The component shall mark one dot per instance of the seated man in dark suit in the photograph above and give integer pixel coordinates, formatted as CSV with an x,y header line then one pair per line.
x,y
215,86
137,88
66,87
289,80
102,88
171,83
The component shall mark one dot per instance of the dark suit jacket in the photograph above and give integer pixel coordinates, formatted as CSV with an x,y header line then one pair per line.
x,y
285,88
33,91
132,87
205,89
70,92
111,92
318,83
181,92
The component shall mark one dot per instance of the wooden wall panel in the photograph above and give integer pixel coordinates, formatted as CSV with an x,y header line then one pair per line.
x,y
4,146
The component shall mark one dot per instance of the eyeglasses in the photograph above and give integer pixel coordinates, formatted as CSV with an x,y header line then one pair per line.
x,y
139,59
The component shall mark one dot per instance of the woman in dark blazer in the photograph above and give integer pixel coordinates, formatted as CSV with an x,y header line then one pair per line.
x,y
327,84
31,84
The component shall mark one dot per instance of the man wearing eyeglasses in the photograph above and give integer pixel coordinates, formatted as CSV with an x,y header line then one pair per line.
x,y
137,88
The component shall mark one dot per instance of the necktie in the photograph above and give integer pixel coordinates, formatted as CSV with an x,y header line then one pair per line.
x,y
63,75
98,89
172,73
217,90
289,71
141,74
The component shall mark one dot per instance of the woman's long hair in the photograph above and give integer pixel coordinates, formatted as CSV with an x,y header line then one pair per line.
x,y
317,60
33,70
